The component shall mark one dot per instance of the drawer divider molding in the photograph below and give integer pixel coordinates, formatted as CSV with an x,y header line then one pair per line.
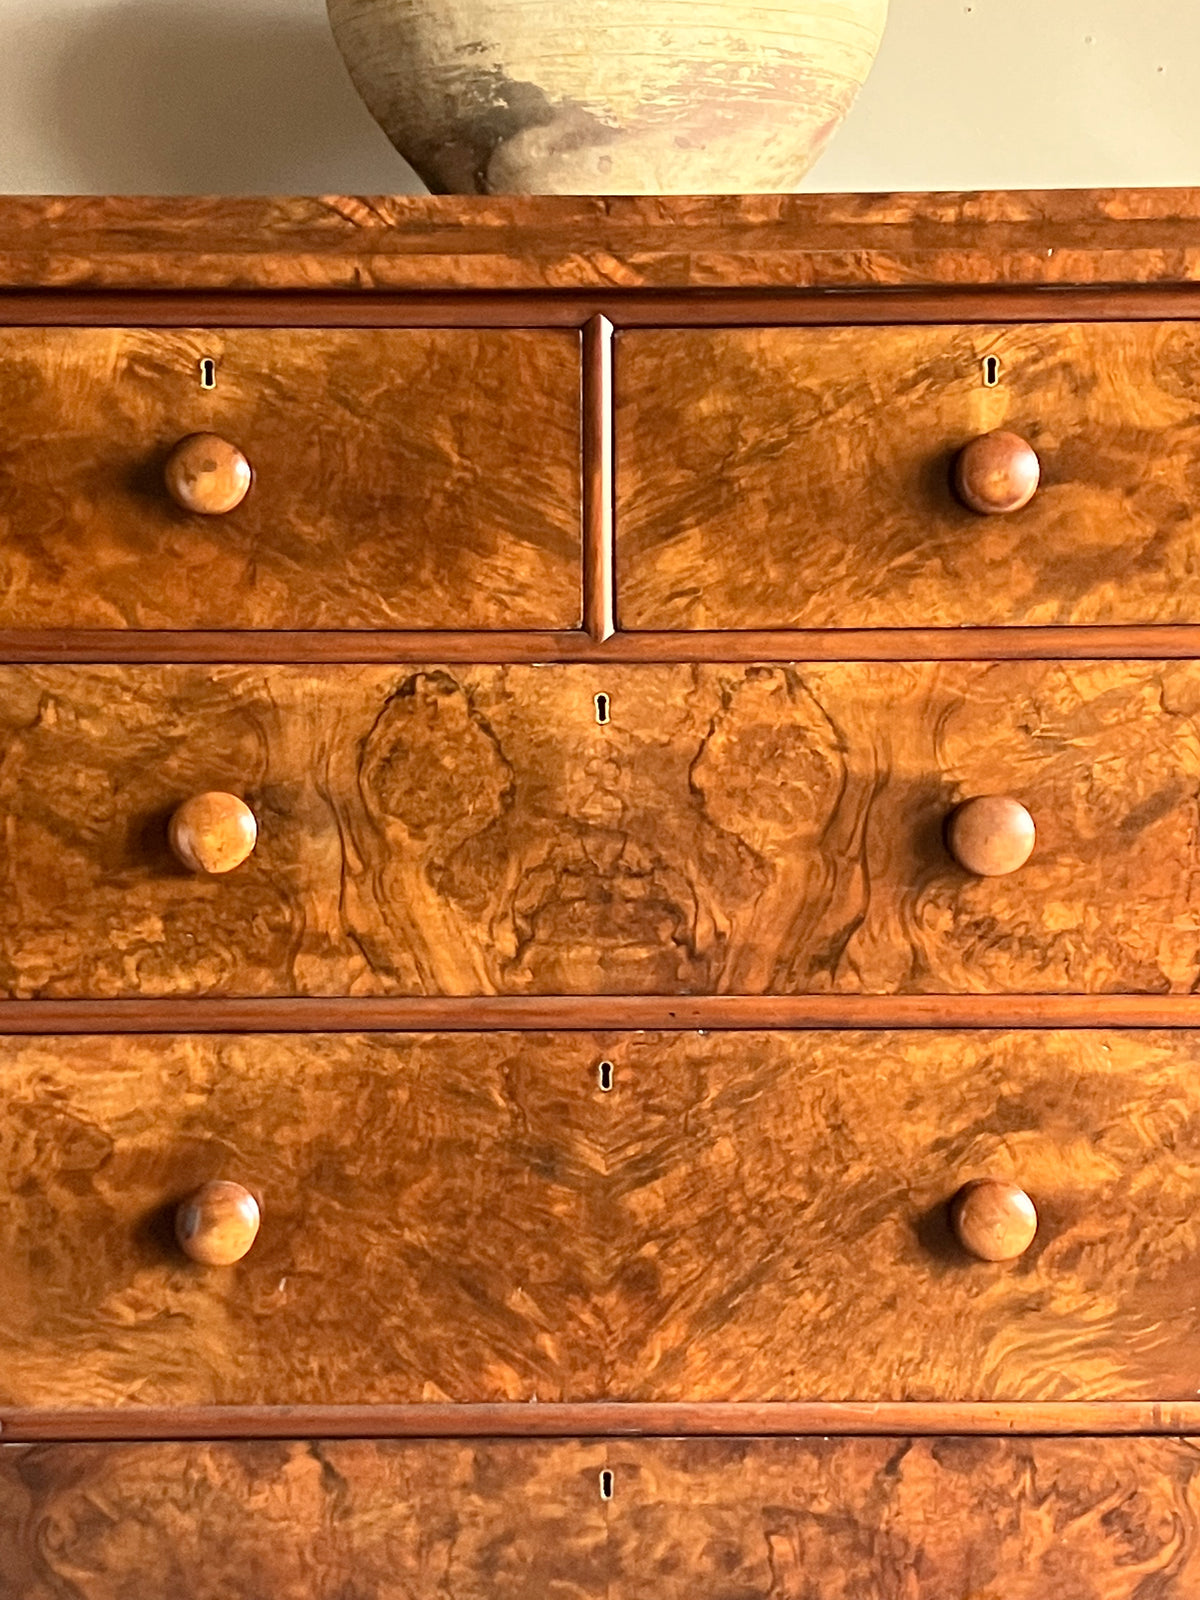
x,y
797,305
599,600
592,1013
607,1419
137,646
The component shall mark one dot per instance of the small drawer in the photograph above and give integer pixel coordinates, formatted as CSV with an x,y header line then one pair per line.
x,y
329,478
806,477
358,1219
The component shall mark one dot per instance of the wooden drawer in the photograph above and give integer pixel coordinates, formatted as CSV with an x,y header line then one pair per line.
x,y
471,1218
845,1519
411,478
762,830
780,477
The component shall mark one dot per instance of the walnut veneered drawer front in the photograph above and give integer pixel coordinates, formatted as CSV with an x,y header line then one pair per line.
x,y
475,1218
778,477
879,828
388,478
700,1519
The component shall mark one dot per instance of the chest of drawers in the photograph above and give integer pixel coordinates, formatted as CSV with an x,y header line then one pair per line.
x,y
599,898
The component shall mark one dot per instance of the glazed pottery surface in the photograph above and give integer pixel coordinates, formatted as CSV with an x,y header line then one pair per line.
x,y
609,96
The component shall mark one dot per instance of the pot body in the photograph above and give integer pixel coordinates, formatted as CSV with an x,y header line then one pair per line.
x,y
609,96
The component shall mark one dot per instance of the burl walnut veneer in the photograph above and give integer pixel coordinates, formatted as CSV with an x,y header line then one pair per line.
x,y
599,898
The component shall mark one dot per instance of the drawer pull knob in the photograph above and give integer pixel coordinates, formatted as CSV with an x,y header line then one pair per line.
x,y
996,473
218,1224
994,1220
206,473
991,835
213,832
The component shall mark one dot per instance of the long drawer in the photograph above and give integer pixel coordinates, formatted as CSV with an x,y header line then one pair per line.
x,y
649,829
778,477
400,478
843,1519
658,1217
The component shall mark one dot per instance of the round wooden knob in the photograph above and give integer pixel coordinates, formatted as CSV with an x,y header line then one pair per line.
x,y
995,1221
213,832
206,473
218,1224
997,472
991,835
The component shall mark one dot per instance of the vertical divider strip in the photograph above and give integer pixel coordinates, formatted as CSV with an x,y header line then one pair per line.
x,y
599,577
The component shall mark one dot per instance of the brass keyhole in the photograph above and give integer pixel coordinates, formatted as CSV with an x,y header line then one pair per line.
x,y
208,373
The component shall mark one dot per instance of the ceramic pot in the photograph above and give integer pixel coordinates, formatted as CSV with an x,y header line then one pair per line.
x,y
608,96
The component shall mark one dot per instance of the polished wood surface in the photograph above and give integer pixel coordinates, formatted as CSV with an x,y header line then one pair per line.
x,y
997,473
802,477
438,485
470,1218
218,1223
315,647
366,243
312,1520
434,1220
207,474
212,832
894,1519
991,835
1108,1419
993,1219
476,830
844,1519
590,1013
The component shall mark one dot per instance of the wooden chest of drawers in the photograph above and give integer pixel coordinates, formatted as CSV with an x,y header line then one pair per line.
x,y
685,1081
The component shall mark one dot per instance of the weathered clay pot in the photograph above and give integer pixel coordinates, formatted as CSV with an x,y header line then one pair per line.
x,y
608,96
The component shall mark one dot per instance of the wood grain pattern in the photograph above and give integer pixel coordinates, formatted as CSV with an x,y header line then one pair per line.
x,y
462,1219
891,1519
429,1226
802,477
316,1520
880,1519
438,486
473,831
1116,236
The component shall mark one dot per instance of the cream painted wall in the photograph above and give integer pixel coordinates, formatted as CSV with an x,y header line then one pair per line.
x,y
249,96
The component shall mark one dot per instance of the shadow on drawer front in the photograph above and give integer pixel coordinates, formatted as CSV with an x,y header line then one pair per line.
x,y
848,1519
1016,827
289,478
361,1219
777,477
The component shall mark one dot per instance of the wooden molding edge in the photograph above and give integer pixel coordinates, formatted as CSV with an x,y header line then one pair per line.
x,y
281,647
597,1013
604,1419
599,593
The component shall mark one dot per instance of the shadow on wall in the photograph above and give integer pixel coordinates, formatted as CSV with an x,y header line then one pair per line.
x,y
194,99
